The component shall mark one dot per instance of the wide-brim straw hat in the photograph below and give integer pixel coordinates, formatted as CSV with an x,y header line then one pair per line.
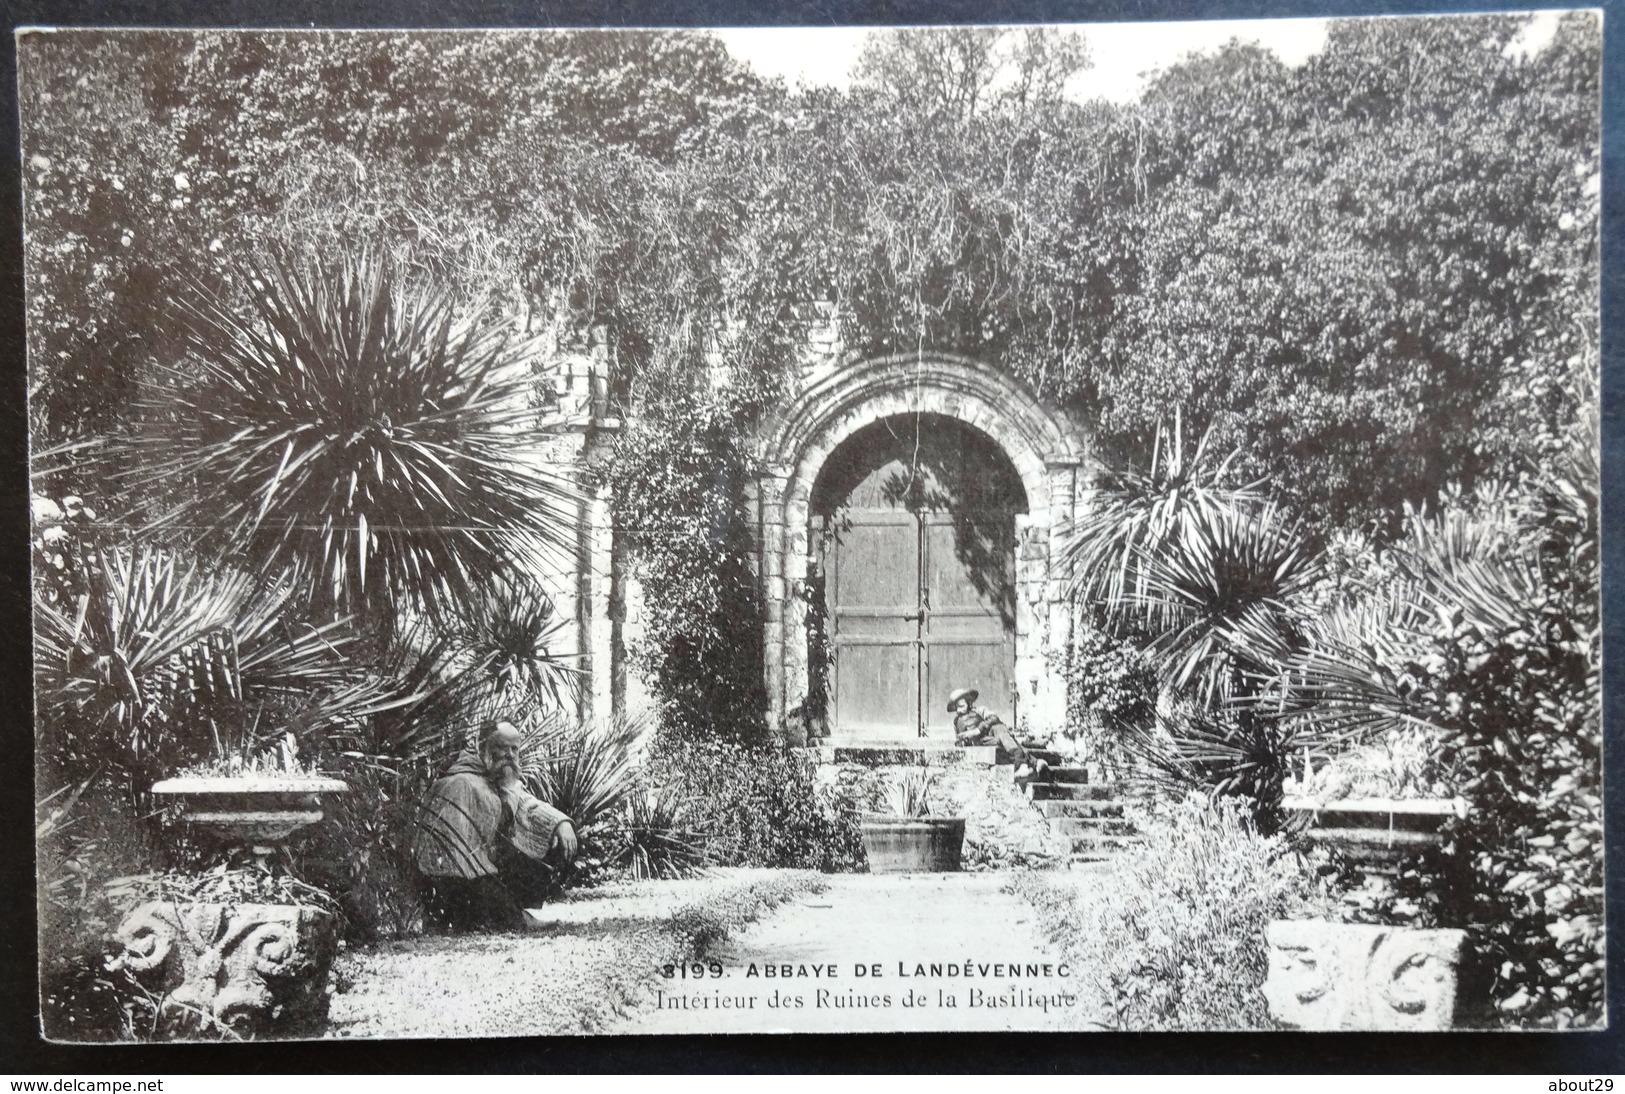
x,y
962,693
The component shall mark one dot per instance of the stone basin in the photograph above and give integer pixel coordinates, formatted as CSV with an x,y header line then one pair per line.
x,y
255,809
1377,832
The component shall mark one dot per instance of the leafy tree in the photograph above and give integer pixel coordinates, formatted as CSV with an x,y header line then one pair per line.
x,y
947,78
1360,261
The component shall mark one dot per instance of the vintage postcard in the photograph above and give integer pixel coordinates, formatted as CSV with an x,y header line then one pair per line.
x,y
1085,527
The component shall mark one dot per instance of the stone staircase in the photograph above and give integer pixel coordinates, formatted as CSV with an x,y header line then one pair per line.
x,y
1089,813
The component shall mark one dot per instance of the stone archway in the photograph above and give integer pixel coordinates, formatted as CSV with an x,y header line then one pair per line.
x,y
1046,449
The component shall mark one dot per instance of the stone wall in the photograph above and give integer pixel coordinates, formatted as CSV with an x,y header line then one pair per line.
x,y
597,590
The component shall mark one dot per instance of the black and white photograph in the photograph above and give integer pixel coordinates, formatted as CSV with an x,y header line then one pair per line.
x,y
1071,528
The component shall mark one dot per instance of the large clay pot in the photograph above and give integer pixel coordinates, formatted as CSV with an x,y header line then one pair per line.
x,y
910,845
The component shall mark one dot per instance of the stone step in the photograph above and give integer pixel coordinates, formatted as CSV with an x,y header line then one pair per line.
x,y
1068,807
887,753
1092,826
1054,759
1063,791
1102,845
1072,776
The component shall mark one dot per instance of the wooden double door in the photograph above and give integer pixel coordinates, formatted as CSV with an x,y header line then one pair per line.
x,y
912,615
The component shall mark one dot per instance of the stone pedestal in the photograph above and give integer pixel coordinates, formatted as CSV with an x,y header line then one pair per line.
x,y
1350,976
247,969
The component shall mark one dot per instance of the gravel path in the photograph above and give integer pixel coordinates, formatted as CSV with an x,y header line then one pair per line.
x,y
585,959
902,923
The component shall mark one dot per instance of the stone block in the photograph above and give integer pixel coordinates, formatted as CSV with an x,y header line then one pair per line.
x,y
248,969
1357,976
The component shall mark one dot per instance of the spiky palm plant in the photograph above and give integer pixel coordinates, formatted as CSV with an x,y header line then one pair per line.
x,y
1222,596
352,428
1217,577
511,638
1362,667
164,660
655,838
1136,510
593,773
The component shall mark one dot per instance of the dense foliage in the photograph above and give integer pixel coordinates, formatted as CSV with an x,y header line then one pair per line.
x,y
679,494
1483,625
1178,941
1380,274
758,806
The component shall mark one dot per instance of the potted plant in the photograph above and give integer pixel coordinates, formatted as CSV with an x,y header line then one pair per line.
x,y
1373,803
255,801
909,838
239,947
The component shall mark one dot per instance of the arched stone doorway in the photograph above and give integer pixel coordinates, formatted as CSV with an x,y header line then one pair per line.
x,y
911,583
1016,440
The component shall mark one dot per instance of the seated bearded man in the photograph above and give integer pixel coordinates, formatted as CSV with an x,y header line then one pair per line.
x,y
485,847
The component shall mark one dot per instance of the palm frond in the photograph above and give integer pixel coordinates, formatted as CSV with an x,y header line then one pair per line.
x,y
1136,509
594,774
512,637
161,653
1220,594
655,837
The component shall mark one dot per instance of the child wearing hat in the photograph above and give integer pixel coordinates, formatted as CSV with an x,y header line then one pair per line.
x,y
974,725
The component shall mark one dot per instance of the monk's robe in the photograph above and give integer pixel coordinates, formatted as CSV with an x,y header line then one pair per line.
x,y
464,817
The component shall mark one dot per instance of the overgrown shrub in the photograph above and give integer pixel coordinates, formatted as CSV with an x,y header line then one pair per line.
x,y
679,490
759,805
1110,681
86,837
362,851
1488,631
1178,941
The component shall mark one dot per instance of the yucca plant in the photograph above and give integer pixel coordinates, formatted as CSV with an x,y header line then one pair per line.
x,y
655,837
593,772
353,428
1222,596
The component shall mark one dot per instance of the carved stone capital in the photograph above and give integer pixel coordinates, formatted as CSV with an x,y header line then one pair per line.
x,y
1355,976
254,969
